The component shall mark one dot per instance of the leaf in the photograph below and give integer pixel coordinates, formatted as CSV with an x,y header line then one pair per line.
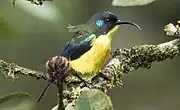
x,y
13,96
93,99
125,3
24,105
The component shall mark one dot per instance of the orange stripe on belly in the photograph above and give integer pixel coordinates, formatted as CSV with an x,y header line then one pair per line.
x,y
106,55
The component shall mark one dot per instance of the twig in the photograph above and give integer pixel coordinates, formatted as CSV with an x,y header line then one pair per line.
x,y
60,95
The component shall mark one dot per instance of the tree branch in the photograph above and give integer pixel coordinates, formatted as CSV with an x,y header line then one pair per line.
x,y
12,70
123,61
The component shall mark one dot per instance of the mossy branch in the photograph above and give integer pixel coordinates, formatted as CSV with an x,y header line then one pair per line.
x,y
13,71
123,61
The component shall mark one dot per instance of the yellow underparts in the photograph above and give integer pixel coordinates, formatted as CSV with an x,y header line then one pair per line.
x,y
91,62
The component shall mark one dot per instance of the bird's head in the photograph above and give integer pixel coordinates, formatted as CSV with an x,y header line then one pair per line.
x,y
102,23
106,21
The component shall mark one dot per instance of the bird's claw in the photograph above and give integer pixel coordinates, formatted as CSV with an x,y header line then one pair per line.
x,y
89,85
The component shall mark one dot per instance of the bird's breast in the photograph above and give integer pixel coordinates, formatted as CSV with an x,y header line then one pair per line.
x,y
93,60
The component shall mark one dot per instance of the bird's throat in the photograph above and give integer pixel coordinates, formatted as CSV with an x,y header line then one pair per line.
x,y
113,31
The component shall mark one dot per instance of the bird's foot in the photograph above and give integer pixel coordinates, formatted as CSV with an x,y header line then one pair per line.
x,y
102,76
86,83
89,85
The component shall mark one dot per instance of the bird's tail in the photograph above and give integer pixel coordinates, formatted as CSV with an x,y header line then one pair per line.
x,y
44,91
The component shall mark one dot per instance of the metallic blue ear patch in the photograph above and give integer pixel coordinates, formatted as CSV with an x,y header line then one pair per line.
x,y
99,23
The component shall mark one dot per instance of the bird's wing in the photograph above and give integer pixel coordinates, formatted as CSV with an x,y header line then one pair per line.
x,y
78,30
78,46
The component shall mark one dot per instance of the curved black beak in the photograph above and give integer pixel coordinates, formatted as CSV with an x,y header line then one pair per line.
x,y
119,22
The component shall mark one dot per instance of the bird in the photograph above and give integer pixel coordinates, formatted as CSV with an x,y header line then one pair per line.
x,y
91,44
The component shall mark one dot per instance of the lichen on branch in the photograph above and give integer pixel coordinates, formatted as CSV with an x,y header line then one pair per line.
x,y
13,71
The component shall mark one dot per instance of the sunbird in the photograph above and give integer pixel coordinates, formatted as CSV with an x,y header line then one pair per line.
x,y
91,44
88,49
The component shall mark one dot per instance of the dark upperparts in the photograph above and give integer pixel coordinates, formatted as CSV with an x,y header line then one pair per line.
x,y
78,46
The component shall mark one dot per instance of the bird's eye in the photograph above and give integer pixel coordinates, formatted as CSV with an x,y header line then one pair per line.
x,y
99,23
107,20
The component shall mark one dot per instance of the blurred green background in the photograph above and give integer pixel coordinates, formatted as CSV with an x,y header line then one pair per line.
x,y
31,34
